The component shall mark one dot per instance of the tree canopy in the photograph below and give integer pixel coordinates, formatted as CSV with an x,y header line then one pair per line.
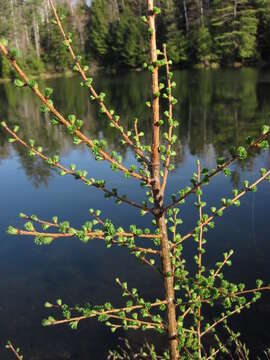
x,y
110,32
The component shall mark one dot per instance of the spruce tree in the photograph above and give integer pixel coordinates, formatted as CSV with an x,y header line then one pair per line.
x,y
172,33
99,29
234,25
127,41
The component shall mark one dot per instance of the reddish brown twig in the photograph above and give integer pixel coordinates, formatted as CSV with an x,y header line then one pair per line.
x,y
167,162
111,313
218,170
92,91
73,173
65,122
10,347
236,198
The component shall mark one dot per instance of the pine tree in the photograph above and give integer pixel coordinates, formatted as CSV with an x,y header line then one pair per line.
x,y
99,29
234,26
50,40
171,33
263,33
127,41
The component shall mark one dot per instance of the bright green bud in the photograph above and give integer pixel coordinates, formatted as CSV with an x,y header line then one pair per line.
x,y
48,92
265,129
48,305
12,230
241,153
18,83
4,42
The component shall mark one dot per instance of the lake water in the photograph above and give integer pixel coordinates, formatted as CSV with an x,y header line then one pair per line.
x,y
216,109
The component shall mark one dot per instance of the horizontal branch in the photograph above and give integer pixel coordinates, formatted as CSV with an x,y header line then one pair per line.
x,y
110,313
65,122
252,291
92,235
73,173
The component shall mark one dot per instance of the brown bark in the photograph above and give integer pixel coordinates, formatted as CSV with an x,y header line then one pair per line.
x,y
157,195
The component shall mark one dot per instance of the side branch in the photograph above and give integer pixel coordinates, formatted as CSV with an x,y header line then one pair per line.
x,y
219,169
170,132
92,91
113,313
65,122
15,352
220,211
73,173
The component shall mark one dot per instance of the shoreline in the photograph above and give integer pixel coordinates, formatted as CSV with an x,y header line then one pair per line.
x,y
44,76
115,71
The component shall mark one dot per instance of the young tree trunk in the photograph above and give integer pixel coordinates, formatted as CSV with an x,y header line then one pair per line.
x,y
26,37
14,24
201,12
186,16
36,35
158,197
70,5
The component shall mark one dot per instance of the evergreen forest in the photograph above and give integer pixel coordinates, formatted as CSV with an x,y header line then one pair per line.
x,y
110,33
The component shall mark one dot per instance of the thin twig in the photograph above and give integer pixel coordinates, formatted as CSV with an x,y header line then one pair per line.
x,y
167,162
65,122
223,264
225,317
10,347
108,313
218,170
74,174
92,91
92,234
206,222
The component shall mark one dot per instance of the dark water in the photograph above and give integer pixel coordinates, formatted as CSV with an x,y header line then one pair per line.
x,y
216,110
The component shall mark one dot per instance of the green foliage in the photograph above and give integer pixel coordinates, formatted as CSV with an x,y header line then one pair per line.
x,y
191,289
111,33
126,41
99,28
235,26
5,70
202,43
55,53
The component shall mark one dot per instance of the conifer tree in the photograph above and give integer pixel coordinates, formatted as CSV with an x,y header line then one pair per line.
x,y
234,27
170,32
52,42
263,32
127,41
99,29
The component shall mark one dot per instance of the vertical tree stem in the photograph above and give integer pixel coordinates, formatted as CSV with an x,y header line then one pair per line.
x,y
157,195
199,260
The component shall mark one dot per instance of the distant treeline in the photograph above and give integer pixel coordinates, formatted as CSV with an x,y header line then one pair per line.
x,y
111,33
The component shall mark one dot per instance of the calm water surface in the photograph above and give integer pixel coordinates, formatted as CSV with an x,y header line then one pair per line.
x,y
216,109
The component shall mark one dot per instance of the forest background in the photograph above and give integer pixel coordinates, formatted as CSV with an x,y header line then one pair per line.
x,y
109,33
